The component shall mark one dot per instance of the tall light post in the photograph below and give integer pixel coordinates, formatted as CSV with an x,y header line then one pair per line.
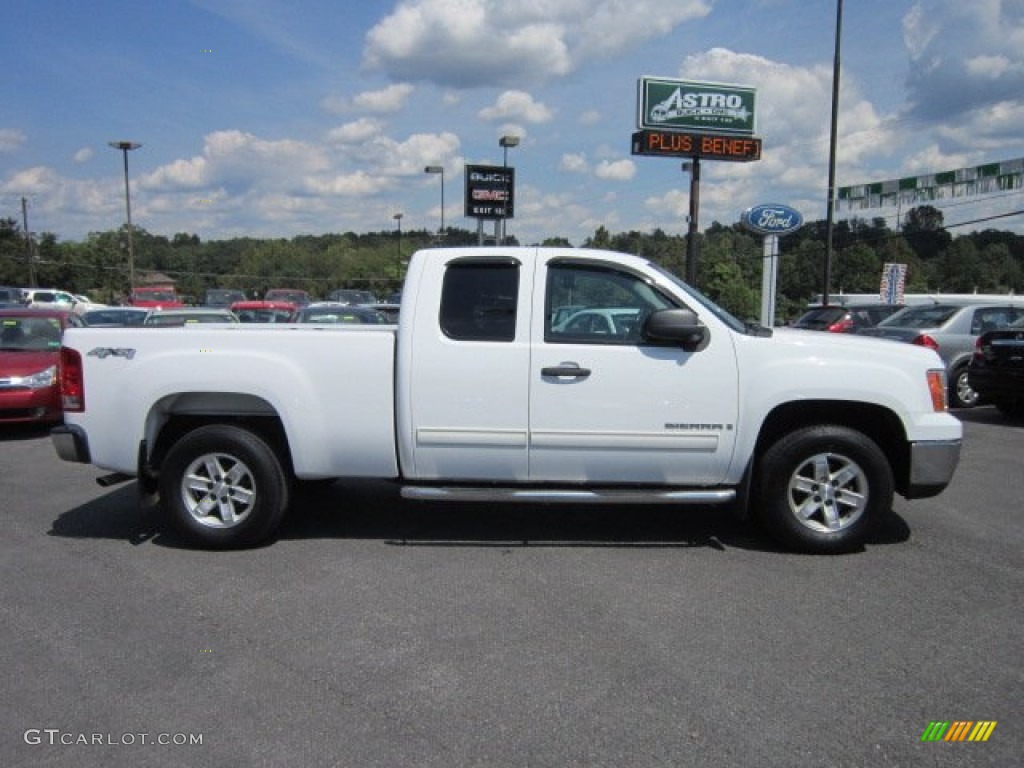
x,y
126,147
438,169
398,264
506,141
830,208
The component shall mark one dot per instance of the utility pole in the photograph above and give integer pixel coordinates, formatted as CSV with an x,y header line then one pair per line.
x,y
28,244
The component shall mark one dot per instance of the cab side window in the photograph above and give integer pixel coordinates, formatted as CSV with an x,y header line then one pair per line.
x,y
596,305
479,300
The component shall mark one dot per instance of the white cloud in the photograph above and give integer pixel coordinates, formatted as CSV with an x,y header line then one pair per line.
x,y
32,181
963,56
84,155
589,117
356,132
466,43
516,105
386,100
619,170
573,163
10,139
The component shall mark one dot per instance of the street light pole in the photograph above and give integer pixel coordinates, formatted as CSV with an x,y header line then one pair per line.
x,y
125,147
438,169
505,142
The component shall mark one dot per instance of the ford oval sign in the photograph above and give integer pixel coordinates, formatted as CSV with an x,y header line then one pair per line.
x,y
772,219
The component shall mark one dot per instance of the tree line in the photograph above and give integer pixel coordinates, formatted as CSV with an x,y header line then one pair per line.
x,y
728,270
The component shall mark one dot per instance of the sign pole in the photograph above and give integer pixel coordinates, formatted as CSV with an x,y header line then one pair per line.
x,y
692,249
769,273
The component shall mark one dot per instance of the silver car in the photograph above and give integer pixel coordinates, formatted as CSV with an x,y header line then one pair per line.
x,y
950,328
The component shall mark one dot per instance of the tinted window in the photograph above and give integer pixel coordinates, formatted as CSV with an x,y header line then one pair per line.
x,y
992,319
920,317
478,300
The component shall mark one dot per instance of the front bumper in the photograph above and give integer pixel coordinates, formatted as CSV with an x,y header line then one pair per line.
x,y
71,443
932,465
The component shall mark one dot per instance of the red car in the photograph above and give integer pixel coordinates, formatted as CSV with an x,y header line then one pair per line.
x,y
156,297
29,351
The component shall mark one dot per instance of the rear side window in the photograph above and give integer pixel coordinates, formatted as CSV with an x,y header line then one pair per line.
x,y
479,299
992,319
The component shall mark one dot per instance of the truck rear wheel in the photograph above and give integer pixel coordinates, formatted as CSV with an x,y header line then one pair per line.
x,y
223,486
823,487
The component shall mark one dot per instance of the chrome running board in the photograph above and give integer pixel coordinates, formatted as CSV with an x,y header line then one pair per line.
x,y
568,495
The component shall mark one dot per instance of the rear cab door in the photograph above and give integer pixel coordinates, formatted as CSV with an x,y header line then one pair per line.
x,y
463,366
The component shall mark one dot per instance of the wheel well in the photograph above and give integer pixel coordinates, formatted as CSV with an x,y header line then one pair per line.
x,y
880,424
180,416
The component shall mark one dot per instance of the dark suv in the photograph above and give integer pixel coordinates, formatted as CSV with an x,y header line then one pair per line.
x,y
222,297
844,319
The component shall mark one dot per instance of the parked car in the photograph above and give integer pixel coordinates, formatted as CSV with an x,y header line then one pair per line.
x,y
388,310
29,352
110,317
601,323
996,371
46,298
156,297
844,319
188,316
951,329
291,295
222,297
352,296
263,311
334,313
84,303
10,297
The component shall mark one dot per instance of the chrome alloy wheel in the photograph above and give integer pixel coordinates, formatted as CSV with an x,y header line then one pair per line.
x,y
966,397
218,490
828,492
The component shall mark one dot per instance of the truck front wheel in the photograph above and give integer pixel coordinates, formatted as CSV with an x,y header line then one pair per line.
x,y
222,487
823,487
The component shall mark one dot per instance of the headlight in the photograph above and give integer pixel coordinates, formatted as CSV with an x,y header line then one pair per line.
x,y
40,380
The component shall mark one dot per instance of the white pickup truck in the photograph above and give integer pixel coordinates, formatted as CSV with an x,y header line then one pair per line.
x,y
535,375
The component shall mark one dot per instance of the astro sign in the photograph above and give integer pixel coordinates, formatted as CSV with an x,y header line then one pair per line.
x,y
490,192
683,105
771,219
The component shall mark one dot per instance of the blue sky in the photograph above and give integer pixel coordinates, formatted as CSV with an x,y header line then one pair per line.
x,y
272,119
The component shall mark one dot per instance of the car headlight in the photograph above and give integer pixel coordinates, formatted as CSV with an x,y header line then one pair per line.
x,y
40,380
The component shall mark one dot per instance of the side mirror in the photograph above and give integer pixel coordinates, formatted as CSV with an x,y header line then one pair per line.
x,y
676,326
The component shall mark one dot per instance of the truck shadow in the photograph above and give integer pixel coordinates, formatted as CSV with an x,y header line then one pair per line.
x,y
374,511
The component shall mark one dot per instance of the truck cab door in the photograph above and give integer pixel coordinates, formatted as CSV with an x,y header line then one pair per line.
x,y
465,353
608,406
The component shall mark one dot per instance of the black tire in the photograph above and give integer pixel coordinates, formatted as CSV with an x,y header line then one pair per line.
x,y
961,393
223,487
822,488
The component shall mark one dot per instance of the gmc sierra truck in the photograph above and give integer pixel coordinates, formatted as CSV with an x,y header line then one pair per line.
x,y
536,375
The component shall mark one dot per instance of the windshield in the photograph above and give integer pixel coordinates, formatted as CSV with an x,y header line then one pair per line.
x,y
29,333
703,300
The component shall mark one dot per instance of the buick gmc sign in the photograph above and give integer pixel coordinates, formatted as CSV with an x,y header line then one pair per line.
x,y
772,219
490,192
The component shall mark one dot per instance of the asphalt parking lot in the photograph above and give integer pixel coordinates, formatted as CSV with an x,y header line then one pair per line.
x,y
378,632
